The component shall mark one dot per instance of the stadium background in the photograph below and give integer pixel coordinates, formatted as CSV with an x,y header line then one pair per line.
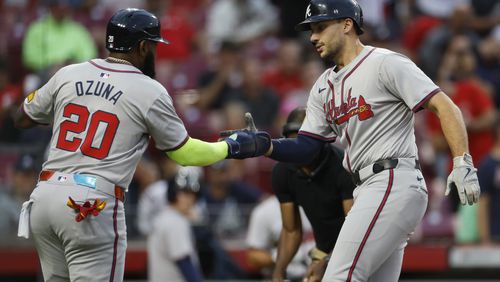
x,y
232,56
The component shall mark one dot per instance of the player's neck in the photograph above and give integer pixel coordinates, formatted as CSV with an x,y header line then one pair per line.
x,y
118,61
122,58
351,50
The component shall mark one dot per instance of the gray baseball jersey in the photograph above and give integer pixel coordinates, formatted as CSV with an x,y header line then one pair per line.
x,y
103,115
369,105
171,239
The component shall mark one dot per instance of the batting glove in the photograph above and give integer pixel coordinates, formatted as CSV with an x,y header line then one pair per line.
x,y
464,179
247,142
244,144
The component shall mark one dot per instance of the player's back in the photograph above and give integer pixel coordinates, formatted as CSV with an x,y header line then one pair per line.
x,y
102,119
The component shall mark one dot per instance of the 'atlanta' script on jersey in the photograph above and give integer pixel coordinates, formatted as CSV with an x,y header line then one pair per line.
x,y
354,107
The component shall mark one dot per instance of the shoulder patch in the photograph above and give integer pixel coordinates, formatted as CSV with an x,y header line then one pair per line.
x,y
30,96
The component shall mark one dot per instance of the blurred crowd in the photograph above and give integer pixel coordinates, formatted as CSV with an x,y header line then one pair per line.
x,y
228,57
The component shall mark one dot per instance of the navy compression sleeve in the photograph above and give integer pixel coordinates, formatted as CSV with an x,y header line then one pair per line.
x,y
190,273
300,150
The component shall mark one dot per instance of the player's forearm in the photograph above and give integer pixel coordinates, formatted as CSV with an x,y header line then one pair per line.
x,y
196,152
452,123
300,150
288,245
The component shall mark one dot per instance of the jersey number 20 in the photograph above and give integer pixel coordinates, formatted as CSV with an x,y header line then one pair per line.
x,y
100,117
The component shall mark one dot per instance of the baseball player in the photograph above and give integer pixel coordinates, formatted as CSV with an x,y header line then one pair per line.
x,y
171,251
323,188
367,101
102,113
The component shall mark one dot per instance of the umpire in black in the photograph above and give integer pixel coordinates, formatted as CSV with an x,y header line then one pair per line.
x,y
323,189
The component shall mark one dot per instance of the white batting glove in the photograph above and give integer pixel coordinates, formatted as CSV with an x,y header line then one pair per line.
x,y
464,179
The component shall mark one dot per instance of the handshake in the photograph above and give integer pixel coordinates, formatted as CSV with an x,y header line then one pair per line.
x,y
247,142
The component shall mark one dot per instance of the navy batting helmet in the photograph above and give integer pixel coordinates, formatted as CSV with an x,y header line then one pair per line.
x,y
127,27
325,10
294,121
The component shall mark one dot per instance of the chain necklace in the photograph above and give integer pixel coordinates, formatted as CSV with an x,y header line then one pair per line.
x,y
118,61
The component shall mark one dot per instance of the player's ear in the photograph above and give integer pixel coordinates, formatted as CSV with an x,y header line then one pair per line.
x,y
143,48
348,25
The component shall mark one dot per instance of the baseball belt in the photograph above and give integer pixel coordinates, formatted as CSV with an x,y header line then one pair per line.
x,y
361,175
88,181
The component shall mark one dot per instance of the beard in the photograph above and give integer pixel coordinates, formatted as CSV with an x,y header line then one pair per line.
x,y
149,65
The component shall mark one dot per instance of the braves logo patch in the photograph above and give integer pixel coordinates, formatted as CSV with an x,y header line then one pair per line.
x,y
30,96
354,106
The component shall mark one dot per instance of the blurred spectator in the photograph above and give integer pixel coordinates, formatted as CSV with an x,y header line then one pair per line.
x,y
439,9
487,15
153,198
311,69
431,50
289,16
284,76
240,20
260,101
10,97
458,80
263,235
171,249
56,40
227,199
374,13
115,5
222,82
22,181
179,30
489,65
489,179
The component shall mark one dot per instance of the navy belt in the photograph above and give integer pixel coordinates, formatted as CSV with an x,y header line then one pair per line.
x,y
361,175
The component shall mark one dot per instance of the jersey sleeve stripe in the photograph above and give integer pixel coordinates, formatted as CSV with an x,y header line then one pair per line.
x,y
178,146
316,136
113,70
419,107
30,117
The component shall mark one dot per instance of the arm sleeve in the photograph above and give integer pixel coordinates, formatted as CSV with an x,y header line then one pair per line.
x,y
401,77
300,150
195,152
190,273
280,184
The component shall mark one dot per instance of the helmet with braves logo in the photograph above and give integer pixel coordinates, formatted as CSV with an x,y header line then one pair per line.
x,y
127,27
325,10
